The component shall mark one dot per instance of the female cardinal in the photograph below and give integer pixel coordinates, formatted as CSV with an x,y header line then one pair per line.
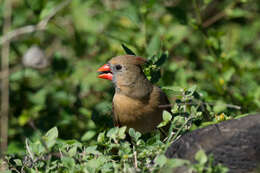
x,y
136,103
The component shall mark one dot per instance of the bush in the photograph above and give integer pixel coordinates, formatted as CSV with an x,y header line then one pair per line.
x,y
212,45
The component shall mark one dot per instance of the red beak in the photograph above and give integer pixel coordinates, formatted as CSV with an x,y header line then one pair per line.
x,y
105,72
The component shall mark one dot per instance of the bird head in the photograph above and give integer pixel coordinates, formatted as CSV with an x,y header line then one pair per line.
x,y
125,67
125,72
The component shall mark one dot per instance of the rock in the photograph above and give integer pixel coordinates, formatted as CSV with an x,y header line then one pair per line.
x,y
35,58
234,143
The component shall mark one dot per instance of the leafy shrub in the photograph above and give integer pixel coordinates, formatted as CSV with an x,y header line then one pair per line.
x,y
212,45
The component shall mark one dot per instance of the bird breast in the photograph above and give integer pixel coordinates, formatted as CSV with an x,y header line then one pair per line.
x,y
142,115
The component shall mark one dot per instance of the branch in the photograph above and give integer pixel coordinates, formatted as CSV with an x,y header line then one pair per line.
x,y
5,80
135,158
219,15
29,150
203,103
214,19
33,28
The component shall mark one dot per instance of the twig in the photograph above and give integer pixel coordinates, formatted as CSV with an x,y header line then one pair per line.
x,y
213,19
204,103
31,123
135,158
32,28
61,155
171,137
219,15
28,149
13,169
5,79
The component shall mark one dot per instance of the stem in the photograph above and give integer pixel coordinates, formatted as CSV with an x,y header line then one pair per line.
x,y
135,158
197,11
172,138
5,79
9,36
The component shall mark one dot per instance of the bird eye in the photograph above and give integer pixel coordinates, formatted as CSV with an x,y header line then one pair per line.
x,y
118,67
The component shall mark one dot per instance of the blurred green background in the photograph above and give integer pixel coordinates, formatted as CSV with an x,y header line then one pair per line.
x,y
214,44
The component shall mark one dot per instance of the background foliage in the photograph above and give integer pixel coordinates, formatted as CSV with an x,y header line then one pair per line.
x,y
214,45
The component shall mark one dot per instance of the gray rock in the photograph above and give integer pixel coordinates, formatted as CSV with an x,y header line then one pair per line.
x,y
234,143
35,58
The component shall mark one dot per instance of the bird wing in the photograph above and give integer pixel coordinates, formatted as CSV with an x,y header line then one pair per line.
x,y
115,117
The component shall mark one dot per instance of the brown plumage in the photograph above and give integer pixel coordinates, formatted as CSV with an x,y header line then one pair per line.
x,y
136,103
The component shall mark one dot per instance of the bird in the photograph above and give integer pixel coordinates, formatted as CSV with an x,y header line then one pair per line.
x,y
137,103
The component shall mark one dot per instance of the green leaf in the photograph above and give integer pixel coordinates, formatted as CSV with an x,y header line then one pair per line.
x,y
18,162
73,150
179,120
166,118
29,114
153,46
212,42
35,5
36,147
48,8
38,97
73,142
121,133
134,134
24,117
50,137
219,107
92,150
160,160
207,1
131,12
112,133
101,137
228,74
192,89
127,50
97,163
201,157
163,57
238,12
68,162
174,163
88,135
174,90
